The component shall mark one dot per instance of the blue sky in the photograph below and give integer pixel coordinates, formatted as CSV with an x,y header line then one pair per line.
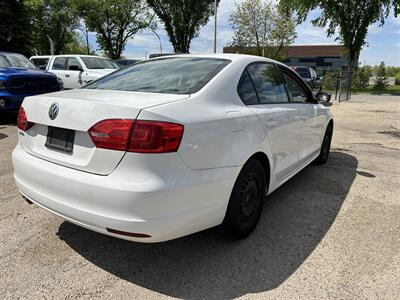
x,y
383,43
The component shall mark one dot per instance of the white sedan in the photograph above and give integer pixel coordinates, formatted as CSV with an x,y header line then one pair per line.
x,y
170,146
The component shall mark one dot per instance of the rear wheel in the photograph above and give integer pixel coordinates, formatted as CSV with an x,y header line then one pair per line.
x,y
246,201
325,147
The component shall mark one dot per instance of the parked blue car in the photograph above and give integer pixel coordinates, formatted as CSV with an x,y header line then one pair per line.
x,y
19,78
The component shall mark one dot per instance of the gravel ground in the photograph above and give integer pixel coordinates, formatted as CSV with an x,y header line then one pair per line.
x,y
330,232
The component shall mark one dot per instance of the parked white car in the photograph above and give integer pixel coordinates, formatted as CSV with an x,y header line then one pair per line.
x,y
170,146
75,70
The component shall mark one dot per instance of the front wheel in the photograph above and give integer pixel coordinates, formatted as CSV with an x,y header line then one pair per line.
x,y
246,201
325,147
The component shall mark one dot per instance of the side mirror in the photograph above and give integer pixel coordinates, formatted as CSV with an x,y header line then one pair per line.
x,y
42,67
75,68
323,97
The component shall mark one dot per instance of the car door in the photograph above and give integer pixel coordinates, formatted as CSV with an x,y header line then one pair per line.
x,y
74,73
58,66
280,117
312,125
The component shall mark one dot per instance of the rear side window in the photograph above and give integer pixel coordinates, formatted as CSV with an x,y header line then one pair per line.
x,y
59,63
246,90
268,83
173,75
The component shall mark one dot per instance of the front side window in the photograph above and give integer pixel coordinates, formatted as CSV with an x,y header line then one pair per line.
x,y
72,61
59,63
296,91
173,75
268,83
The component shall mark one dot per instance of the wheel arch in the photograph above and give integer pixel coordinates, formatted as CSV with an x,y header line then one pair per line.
x,y
264,160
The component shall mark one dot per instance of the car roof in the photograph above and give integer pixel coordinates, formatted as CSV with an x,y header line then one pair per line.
x,y
67,55
232,57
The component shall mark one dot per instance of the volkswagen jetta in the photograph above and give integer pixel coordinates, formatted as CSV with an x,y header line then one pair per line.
x,y
170,146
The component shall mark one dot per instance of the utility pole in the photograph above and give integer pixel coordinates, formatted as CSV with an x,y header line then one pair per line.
x,y
85,32
159,40
215,26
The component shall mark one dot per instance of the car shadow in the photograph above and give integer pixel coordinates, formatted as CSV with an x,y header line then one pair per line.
x,y
206,265
3,135
8,118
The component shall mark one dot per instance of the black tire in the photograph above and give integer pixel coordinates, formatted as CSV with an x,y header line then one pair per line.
x,y
246,201
325,147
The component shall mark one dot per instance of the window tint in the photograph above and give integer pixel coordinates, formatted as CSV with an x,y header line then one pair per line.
x,y
174,75
268,83
72,61
246,90
59,63
296,91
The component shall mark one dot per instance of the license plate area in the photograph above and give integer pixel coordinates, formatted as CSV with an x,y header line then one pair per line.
x,y
60,139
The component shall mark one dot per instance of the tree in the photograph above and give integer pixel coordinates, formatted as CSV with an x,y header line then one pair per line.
x,y
260,24
381,81
15,27
397,79
54,22
115,21
350,18
78,46
361,78
182,19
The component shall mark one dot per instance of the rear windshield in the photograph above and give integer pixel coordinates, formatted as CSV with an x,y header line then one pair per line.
x,y
175,75
303,72
99,63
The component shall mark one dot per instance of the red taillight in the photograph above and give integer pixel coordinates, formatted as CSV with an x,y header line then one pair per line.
x,y
23,123
137,136
111,134
155,137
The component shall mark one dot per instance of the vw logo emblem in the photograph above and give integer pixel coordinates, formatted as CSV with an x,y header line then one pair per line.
x,y
53,111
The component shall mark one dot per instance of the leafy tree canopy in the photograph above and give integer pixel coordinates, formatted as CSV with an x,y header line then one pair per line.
x,y
54,22
182,19
349,18
16,34
260,24
115,21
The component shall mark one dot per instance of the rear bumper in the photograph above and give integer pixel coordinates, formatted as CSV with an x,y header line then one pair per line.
x,y
172,202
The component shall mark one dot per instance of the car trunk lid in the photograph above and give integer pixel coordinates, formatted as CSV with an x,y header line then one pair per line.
x,y
78,111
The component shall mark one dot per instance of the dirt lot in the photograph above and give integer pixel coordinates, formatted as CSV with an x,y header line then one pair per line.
x,y
330,232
